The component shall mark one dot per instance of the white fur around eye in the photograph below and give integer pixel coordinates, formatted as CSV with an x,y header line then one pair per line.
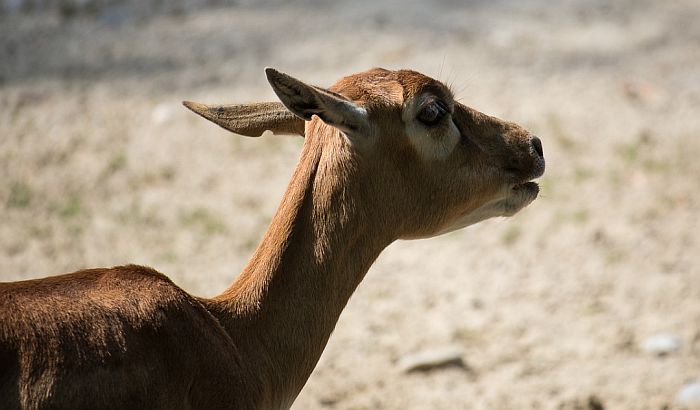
x,y
433,143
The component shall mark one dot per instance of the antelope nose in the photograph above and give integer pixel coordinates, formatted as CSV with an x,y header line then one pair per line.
x,y
537,146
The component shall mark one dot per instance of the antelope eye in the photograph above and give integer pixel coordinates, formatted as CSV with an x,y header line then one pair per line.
x,y
432,113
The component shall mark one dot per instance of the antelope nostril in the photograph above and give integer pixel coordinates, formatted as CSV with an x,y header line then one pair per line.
x,y
537,145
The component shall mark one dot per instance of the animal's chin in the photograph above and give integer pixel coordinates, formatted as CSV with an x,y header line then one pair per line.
x,y
527,191
530,186
516,198
520,196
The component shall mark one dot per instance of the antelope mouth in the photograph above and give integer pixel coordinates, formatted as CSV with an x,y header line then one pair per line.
x,y
527,184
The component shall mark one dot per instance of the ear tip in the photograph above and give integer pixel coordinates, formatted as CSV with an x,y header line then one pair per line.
x,y
195,107
189,104
271,72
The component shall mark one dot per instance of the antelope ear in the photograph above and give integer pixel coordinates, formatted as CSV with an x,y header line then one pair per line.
x,y
305,101
250,120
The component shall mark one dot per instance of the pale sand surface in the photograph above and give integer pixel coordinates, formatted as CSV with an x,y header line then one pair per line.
x,y
100,165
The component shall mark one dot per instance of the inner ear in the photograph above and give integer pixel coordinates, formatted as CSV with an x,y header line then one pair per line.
x,y
306,109
298,97
305,101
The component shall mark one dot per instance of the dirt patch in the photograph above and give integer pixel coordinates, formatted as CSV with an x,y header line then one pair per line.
x,y
100,166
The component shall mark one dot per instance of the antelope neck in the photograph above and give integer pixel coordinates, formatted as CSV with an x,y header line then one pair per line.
x,y
318,248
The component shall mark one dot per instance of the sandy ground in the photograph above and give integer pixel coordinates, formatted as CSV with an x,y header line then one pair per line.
x,y
100,165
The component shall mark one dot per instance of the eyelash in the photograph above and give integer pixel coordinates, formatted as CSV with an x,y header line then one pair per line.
x,y
433,113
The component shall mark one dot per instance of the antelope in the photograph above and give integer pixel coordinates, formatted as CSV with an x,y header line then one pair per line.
x,y
387,155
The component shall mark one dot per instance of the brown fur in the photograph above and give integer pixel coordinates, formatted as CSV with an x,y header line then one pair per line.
x,y
127,337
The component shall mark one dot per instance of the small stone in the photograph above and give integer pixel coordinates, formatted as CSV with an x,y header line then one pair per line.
x,y
328,401
689,394
431,359
590,403
594,403
662,344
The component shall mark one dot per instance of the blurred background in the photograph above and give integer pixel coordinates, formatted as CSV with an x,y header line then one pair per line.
x,y
588,299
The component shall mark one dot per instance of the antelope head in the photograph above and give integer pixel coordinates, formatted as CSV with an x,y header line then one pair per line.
x,y
398,148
